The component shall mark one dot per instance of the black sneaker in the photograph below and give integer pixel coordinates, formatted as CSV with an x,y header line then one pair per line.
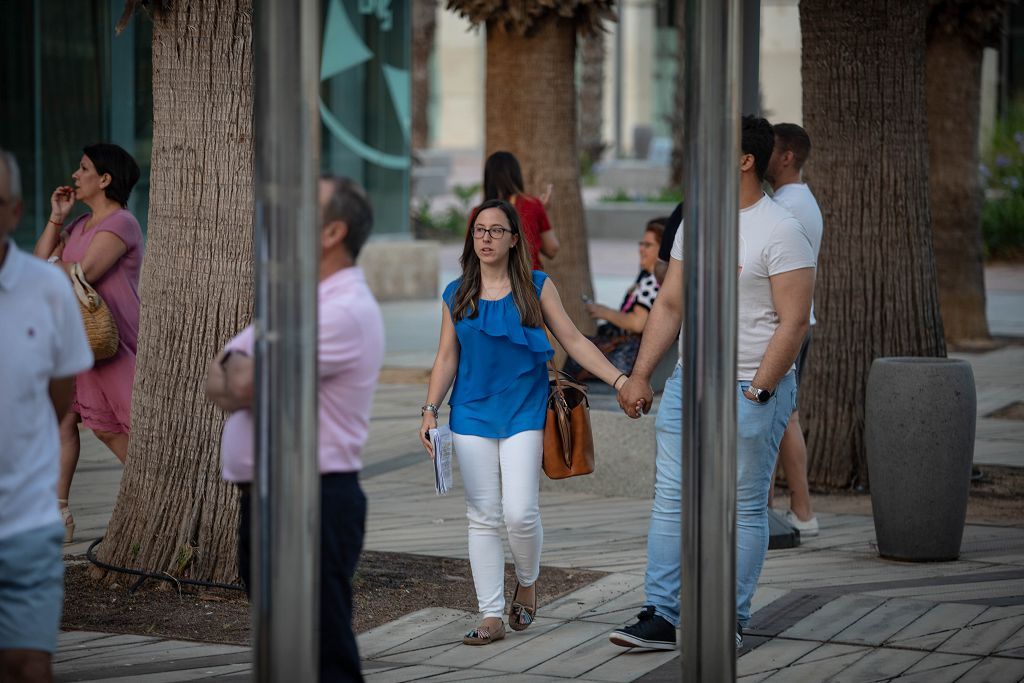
x,y
739,636
650,631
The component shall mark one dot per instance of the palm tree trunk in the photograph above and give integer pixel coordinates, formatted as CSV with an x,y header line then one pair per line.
x,y
864,109
954,112
591,132
531,112
173,512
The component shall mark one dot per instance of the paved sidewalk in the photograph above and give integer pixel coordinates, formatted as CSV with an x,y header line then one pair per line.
x,y
828,610
829,606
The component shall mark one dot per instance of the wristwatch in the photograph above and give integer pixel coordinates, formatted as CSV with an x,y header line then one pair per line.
x,y
431,407
760,395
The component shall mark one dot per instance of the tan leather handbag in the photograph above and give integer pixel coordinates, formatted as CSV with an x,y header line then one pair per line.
x,y
100,328
568,441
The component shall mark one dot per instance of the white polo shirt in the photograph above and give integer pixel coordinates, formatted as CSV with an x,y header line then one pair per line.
x,y
41,338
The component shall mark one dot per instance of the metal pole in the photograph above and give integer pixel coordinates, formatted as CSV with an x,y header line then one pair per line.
x,y
37,123
751,57
286,496
710,249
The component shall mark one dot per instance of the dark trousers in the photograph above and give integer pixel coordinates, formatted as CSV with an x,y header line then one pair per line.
x,y
342,523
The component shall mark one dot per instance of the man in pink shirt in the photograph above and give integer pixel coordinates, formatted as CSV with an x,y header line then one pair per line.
x,y
351,350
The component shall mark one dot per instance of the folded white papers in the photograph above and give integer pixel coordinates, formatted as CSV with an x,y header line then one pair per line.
x,y
444,449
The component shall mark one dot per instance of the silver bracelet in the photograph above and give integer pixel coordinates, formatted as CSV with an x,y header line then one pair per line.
x,y
431,407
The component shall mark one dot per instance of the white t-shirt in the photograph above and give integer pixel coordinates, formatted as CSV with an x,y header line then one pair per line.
x,y
42,338
799,201
771,242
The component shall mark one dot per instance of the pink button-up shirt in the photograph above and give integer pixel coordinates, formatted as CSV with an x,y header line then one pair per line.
x,y
351,353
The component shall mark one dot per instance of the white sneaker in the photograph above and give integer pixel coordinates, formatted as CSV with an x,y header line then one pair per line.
x,y
808,528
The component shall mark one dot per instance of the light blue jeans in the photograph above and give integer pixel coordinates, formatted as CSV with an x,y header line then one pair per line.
x,y
759,431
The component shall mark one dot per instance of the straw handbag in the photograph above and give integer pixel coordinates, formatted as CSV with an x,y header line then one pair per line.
x,y
100,328
568,441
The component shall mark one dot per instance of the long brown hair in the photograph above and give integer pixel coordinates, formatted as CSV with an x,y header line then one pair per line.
x,y
520,275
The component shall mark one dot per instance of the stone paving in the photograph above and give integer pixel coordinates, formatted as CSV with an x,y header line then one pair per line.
x,y
830,610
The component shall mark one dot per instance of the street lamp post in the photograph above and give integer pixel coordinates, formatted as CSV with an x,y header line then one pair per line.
x,y
710,247
286,493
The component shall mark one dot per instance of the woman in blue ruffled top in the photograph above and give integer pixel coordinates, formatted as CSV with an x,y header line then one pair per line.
x,y
494,347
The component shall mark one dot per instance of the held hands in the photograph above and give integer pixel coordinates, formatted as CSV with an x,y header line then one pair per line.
x,y
429,422
635,397
597,311
61,202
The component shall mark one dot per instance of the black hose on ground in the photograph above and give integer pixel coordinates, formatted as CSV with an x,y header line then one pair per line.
x,y
163,576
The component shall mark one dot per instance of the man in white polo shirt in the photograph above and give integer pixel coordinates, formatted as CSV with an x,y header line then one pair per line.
x,y
44,347
792,147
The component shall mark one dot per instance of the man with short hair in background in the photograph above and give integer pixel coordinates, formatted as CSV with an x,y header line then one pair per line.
x,y
350,354
792,147
43,345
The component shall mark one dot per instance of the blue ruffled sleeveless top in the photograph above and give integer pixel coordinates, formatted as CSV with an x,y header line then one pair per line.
x,y
501,386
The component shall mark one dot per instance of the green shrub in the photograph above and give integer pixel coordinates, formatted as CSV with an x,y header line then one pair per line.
x,y
1002,176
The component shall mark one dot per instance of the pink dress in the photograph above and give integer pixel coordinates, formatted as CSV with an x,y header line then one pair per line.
x,y
103,395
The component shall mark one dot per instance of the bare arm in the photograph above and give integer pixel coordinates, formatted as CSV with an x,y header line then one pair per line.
x,y
633,321
791,294
442,374
61,391
103,252
549,243
229,385
581,349
50,242
660,332
660,270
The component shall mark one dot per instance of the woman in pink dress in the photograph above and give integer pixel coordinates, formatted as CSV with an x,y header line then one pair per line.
x,y
107,243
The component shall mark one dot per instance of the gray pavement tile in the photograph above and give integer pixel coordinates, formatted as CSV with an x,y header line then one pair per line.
x,y
403,674
578,660
753,678
936,626
586,649
945,674
985,634
630,665
547,647
405,628
592,596
820,665
879,665
995,670
835,616
878,625
174,676
773,655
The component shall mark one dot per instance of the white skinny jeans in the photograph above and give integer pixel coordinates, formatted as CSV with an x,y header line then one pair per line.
x,y
501,475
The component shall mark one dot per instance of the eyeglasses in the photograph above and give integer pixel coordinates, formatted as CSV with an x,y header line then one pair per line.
x,y
496,232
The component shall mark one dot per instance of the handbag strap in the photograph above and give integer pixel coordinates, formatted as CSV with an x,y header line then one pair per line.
x,y
83,290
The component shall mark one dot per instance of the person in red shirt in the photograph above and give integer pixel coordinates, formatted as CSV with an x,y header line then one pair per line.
x,y
503,179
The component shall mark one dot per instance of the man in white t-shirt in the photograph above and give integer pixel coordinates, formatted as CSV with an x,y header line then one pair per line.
x,y
792,147
776,281
44,347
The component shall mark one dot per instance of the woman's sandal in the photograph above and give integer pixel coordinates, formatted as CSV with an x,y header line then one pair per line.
x,y
482,635
520,616
69,521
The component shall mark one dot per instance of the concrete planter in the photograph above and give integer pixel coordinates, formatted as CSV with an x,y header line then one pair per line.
x,y
920,418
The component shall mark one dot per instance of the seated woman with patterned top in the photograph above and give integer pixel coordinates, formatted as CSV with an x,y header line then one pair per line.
x,y
619,337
